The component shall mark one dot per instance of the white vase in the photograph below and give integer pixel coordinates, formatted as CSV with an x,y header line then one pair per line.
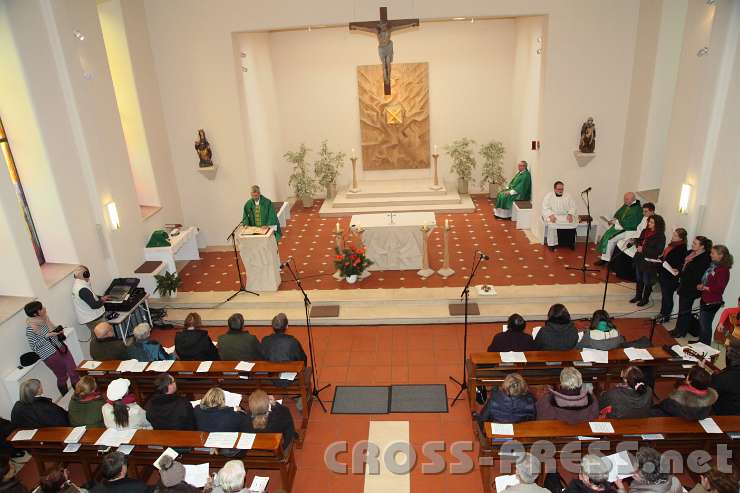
x,y
351,279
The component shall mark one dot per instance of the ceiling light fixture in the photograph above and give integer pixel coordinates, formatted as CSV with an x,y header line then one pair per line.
x,y
458,18
703,51
78,35
711,2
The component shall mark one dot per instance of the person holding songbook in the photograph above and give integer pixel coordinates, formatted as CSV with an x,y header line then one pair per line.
x,y
673,258
627,217
649,246
520,188
259,211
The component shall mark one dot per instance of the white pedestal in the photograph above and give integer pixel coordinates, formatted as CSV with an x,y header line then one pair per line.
x,y
523,217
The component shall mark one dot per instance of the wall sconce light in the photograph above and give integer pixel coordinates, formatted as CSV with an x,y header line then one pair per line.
x,y
683,202
702,52
115,223
78,35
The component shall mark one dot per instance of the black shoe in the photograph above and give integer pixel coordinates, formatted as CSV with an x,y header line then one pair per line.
x,y
552,248
600,263
635,299
643,302
675,334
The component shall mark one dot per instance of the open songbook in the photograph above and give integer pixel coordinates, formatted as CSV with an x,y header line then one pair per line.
x,y
255,230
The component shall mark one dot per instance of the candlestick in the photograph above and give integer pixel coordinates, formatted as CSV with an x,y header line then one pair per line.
x,y
354,188
447,224
435,185
446,271
435,148
425,270
353,152
338,227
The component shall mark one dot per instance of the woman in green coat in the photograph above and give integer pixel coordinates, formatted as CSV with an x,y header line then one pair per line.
x,y
86,404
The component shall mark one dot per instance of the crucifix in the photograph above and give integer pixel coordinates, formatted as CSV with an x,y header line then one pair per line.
x,y
383,29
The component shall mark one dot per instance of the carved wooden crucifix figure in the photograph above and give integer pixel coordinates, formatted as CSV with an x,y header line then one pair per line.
x,y
383,29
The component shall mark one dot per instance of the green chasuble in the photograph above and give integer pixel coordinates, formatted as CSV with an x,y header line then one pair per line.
x,y
629,217
522,183
267,215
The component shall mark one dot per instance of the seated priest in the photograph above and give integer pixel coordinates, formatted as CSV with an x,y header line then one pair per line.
x,y
625,219
559,216
520,188
621,262
258,211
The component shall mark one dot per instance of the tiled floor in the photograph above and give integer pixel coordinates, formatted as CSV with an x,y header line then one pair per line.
x,y
310,239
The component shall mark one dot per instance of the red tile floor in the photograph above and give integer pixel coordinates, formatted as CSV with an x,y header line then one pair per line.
x,y
310,239
389,354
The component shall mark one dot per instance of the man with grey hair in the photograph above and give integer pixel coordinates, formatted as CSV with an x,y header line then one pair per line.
x,y
259,211
280,347
527,469
651,476
593,477
144,349
571,402
35,411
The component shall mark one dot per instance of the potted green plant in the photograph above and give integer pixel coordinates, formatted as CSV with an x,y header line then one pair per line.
x,y
167,284
463,162
492,169
327,168
351,262
303,184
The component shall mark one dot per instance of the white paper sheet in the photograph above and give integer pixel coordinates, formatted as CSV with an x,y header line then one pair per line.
x,y
195,403
502,429
621,466
704,349
71,448
244,366
113,438
160,366
536,331
221,439
196,475
75,435
601,427
169,452
637,354
504,328
169,350
204,366
710,425
131,365
594,356
259,484
232,399
670,269
288,375
246,441
24,435
90,365
580,335
513,357
125,449
503,482
653,436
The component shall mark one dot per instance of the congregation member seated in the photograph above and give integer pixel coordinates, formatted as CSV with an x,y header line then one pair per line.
x,y
714,481
650,245
650,476
674,255
8,481
593,477
172,477
213,415
193,343
105,346
602,334
559,333
121,411
520,188
280,347
693,400
35,411
144,349
269,416
726,385
166,410
511,403
114,470
85,407
571,402
230,478
238,344
56,481
527,470
632,398
514,338
559,216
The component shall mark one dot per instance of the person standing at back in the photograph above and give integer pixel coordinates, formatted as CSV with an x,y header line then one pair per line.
x,y
238,344
89,307
281,347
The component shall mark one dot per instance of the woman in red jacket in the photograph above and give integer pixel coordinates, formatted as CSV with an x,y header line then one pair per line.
x,y
713,284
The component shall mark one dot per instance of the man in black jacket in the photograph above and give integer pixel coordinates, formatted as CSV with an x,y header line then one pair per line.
x,y
725,383
280,347
114,477
166,410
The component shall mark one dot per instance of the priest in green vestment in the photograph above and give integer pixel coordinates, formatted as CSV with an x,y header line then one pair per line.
x,y
626,218
258,211
520,188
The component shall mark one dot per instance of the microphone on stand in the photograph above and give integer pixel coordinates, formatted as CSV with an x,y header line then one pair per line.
x,y
587,190
483,256
283,264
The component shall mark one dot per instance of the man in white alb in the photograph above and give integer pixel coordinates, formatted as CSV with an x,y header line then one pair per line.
x,y
559,216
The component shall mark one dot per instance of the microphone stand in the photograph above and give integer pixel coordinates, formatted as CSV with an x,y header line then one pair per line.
x,y
307,305
608,272
583,268
654,320
465,295
242,287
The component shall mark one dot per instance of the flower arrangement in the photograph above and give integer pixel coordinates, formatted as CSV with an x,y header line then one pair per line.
x,y
351,261
493,157
329,164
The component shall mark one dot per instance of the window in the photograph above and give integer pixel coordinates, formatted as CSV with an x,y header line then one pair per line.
x,y
21,196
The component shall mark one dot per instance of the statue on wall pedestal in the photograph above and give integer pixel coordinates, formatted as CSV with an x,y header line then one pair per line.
x,y
203,149
588,137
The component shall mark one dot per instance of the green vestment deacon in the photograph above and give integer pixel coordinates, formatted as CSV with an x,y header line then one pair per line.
x,y
522,184
266,217
629,217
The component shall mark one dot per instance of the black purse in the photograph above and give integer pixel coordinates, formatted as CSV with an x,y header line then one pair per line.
x,y
481,394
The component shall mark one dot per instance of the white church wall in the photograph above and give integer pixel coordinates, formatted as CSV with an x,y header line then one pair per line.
x,y
589,49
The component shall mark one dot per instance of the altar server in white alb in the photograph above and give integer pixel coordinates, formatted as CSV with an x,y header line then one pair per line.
x,y
559,216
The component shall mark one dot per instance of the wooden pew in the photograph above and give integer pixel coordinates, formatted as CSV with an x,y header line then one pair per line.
x,y
221,374
543,367
678,434
267,452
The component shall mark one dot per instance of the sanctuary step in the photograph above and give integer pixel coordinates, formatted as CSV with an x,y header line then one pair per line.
x,y
396,196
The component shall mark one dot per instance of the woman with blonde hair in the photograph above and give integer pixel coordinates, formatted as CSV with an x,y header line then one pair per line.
x,y
85,408
510,403
212,414
269,416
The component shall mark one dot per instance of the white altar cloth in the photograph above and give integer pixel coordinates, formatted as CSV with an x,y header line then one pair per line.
x,y
259,254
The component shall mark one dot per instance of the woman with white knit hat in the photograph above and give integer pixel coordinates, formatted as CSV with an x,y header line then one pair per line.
x,y
121,410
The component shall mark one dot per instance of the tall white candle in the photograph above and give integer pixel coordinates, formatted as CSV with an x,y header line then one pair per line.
x,y
435,148
353,152
447,224
338,227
